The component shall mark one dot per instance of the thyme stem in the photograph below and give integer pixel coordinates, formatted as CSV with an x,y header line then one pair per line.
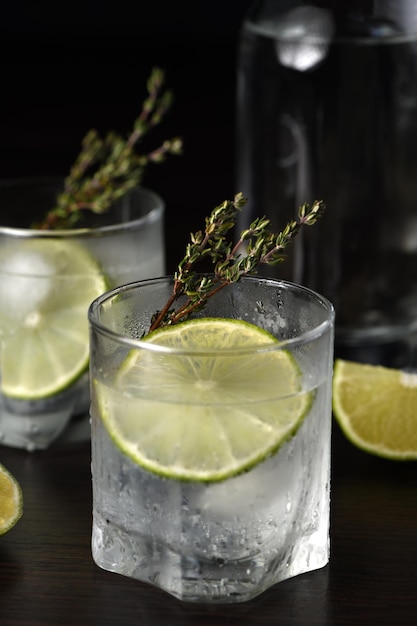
x,y
107,168
262,247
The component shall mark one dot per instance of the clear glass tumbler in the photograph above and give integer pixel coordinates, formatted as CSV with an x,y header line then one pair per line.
x,y
220,538
47,281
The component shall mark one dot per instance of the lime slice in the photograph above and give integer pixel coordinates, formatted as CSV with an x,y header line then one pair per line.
x,y
11,500
208,414
46,286
376,408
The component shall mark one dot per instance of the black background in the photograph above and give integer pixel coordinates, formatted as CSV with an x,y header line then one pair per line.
x,y
68,67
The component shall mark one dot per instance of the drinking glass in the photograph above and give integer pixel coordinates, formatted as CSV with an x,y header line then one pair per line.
x,y
47,281
218,539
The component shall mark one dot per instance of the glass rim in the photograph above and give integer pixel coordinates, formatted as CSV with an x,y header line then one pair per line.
x,y
306,337
152,216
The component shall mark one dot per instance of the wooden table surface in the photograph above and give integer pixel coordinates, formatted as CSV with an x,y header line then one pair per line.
x,y
47,575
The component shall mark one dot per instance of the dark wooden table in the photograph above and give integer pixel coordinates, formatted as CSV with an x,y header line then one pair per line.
x,y
47,575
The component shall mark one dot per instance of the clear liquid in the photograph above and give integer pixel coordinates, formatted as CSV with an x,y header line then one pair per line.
x,y
219,542
337,121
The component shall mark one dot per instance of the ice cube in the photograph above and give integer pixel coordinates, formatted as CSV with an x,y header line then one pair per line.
x,y
25,281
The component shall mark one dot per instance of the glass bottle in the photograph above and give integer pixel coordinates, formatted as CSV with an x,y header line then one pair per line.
x,y
327,109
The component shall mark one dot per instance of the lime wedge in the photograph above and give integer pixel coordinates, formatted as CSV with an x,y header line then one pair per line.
x,y
46,286
376,408
209,414
11,500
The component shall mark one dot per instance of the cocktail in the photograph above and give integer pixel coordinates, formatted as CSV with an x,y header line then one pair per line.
x,y
47,281
211,437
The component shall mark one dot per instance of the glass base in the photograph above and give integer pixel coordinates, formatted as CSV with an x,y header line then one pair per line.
x,y
391,346
77,430
39,424
193,579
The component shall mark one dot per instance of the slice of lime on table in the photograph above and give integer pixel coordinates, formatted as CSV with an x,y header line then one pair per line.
x,y
46,286
209,414
376,408
11,500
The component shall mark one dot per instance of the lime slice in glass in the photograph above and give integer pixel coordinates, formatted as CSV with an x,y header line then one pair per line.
x,y
376,408
46,286
223,402
11,500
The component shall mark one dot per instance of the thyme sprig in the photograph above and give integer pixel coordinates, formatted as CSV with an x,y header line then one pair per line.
x,y
107,168
261,247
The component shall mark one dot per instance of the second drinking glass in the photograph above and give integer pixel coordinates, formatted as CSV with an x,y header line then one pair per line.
x,y
47,281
